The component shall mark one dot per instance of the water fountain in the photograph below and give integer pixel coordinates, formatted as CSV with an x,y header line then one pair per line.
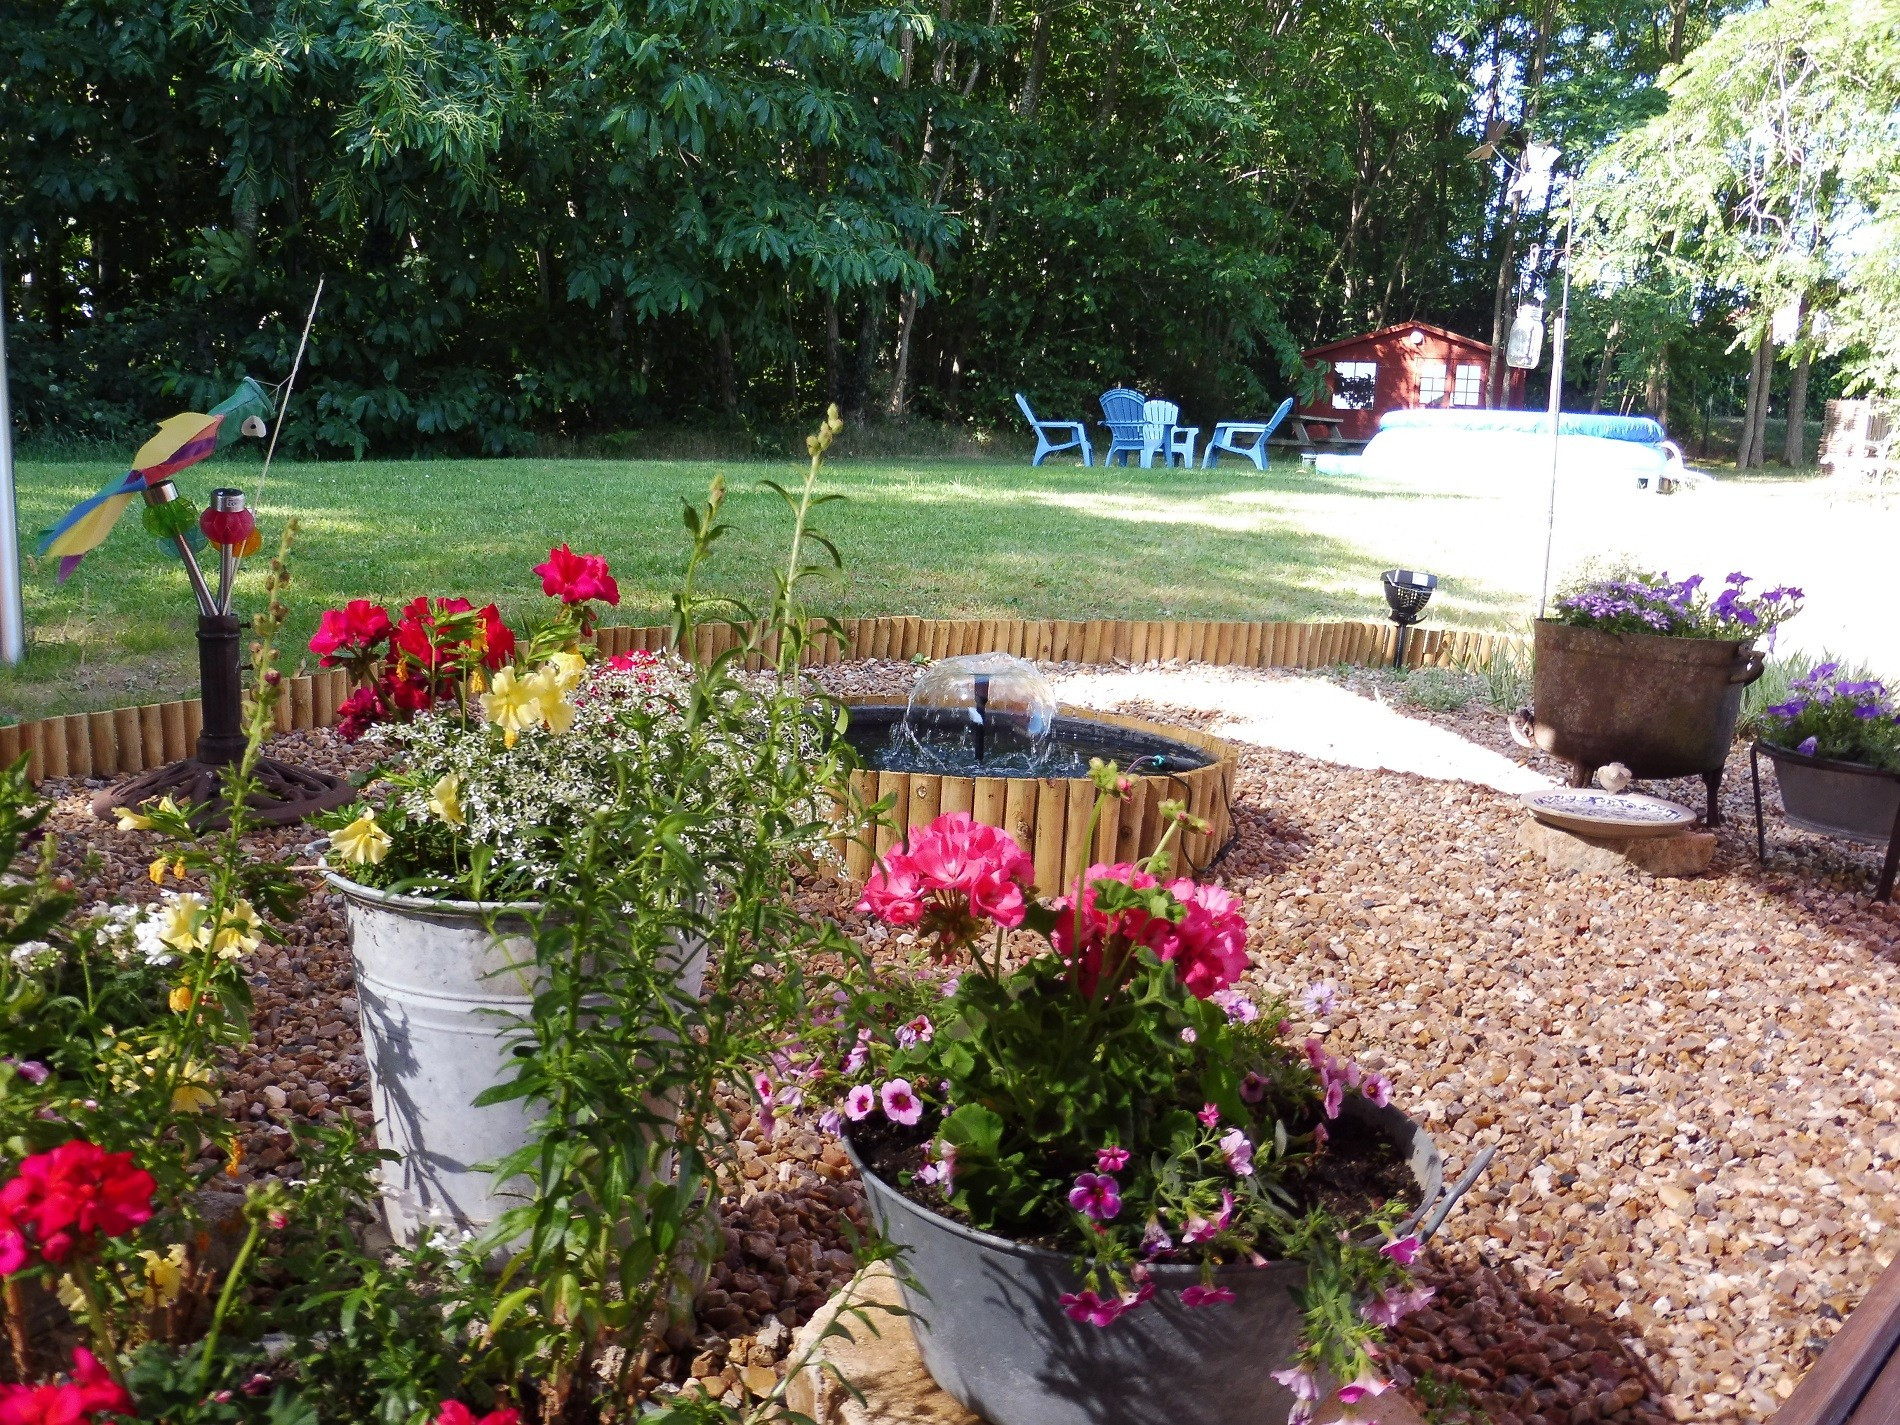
x,y
982,733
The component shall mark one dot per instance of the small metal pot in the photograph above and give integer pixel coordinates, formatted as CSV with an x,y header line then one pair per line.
x,y
1848,799
991,1329
1662,706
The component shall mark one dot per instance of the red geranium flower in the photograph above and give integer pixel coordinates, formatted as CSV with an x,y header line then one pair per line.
x,y
420,635
67,1195
575,578
91,1390
358,713
352,630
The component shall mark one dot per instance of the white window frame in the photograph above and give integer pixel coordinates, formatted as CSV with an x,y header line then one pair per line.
x,y
1355,370
1434,380
1468,384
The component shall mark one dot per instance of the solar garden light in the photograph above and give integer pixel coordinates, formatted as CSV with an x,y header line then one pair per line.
x,y
1407,591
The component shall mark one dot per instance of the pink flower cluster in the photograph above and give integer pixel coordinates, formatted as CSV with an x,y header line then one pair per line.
x,y
1336,1076
954,875
1394,1304
897,1098
1207,946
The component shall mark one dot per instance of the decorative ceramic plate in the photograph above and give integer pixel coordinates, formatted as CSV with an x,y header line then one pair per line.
x,y
1589,812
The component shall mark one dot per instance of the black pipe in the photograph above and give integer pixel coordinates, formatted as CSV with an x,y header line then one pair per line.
x,y
982,714
221,690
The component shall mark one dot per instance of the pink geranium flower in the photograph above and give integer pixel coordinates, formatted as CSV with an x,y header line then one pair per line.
x,y
1209,1115
1209,944
900,1102
1096,1195
1206,1296
575,578
954,876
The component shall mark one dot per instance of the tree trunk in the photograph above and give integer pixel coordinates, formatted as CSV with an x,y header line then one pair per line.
x,y
1678,30
1603,368
1494,385
834,355
1038,64
1656,388
728,378
1794,446
870,321
1748,450
1105,101
899,403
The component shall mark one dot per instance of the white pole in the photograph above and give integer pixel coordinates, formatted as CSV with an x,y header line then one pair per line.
x,y
12,613
1556,406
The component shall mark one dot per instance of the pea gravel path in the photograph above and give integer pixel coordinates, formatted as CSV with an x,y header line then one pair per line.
x,y
1692,1084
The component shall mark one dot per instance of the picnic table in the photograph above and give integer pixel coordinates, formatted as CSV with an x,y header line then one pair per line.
x,y
1301,434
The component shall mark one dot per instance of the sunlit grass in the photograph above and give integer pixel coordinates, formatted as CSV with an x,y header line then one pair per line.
x,y
944,538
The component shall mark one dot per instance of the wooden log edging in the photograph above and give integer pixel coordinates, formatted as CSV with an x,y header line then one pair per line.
x,y
1049,816
122,741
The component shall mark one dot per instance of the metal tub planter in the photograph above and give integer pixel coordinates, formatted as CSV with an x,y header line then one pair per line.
x,y
1662,706
1845,799
992,1332
440,985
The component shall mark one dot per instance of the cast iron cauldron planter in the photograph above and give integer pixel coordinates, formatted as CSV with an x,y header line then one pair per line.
x,y
1846,799
991,1330
1662,706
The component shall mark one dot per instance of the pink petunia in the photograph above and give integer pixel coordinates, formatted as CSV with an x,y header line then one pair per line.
x,y
1363,1385
900,1101
1238,1152
1085,1306
1096,1195
1253,1088
859,1103
1376,1089
1206,1296
1111,1159
1401,1250
1335,1099
1394,1304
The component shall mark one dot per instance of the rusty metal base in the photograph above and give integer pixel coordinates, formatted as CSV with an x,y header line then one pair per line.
x,y
284,793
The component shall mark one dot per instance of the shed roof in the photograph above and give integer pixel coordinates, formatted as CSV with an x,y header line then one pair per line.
x,y
1398,327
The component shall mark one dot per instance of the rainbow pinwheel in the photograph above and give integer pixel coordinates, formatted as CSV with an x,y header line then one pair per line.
x,y
182,440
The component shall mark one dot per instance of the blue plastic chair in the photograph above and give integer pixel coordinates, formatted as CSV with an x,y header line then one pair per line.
x,y
1248,438
1046,447
1127,426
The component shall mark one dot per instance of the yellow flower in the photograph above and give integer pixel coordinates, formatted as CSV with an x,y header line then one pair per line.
x,y
193,1094
158,869
567,669
514,705
180,999
71,1297
183,926
555,712
238,933
445,800
130,820
362,842
164,1276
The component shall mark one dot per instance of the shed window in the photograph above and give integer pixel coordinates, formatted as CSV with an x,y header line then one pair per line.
x,y
1431,382
1469,390
1354,383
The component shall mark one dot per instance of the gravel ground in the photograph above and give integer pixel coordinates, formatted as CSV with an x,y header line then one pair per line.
x,y
1691,1083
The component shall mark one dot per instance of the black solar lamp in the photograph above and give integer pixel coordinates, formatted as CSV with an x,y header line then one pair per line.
x,y
1407,591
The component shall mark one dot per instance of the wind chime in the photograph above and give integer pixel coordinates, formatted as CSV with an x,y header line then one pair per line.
x,y
282,792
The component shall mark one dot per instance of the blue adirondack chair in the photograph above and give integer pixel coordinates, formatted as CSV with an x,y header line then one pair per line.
x,y
1045,447
1166,435
1127,426
1248,438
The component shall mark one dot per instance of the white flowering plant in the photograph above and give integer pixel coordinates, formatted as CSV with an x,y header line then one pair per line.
x,y
480,803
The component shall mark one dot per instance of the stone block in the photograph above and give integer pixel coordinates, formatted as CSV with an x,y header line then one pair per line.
x,y
1683,853
887,1370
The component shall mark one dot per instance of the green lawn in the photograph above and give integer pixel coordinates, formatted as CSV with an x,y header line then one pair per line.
x,y
935,538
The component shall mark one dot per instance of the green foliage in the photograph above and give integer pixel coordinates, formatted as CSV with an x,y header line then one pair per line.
x,y
1444,689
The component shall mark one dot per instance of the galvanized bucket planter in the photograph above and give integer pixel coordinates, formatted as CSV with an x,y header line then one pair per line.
x,y
991,1329
440,984
1663,707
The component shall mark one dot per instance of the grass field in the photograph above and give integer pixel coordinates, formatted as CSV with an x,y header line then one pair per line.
x,y
949,538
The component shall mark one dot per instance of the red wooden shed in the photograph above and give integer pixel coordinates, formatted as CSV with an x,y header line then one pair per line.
x,y
1401,367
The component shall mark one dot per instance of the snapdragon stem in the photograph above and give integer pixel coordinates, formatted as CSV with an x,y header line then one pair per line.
x,y
96,1321
231,1280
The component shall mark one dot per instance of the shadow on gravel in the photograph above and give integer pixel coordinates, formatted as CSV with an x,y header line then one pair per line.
x,y
1490,1348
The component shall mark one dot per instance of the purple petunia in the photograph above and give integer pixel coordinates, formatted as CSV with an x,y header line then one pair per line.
x,y
1206,1295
